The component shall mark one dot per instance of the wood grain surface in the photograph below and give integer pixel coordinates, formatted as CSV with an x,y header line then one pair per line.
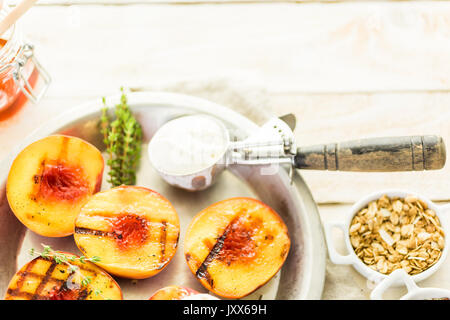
x,y
347,70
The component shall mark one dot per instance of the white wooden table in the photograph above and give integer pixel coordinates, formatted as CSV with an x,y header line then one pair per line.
x,y
346,69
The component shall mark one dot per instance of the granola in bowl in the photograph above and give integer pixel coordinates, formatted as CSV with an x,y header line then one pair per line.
x,y
397,233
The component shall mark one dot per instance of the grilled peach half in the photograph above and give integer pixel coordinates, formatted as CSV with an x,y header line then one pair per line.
x,y
172,293
49,182
235,246
133,229
45,279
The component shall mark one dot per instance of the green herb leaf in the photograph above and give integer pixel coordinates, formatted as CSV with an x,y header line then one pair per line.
x,y
123,140
61,258
95,259
86,281
97,292
73,268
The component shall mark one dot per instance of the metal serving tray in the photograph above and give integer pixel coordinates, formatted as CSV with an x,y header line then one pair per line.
x,y
301,277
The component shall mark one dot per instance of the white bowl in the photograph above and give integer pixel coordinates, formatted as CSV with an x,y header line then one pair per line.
x,y
414,292
358,264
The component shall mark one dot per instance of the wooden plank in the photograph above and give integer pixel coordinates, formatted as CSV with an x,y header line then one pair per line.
x,y
321,119
245,62
346,70
310,48
334,118
328,118
149,2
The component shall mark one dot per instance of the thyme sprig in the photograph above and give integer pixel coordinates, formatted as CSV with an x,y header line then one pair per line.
x,y
61,258
123,139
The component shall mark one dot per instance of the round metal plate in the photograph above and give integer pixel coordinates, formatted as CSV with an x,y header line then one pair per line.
x,y
301,277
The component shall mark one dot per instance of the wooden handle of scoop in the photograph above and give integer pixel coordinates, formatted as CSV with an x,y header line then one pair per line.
x,y
413,153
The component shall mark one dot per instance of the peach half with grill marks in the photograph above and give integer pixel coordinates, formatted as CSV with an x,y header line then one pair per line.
x,y
235,246
45,279
50,180
134,230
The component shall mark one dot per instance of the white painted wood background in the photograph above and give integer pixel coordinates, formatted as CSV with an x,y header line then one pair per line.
x,y
346,69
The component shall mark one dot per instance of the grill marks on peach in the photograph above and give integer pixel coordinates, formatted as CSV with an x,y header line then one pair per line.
x,y
93,232
59,291
163,239
44,280
130,231
202,271
64,292
235,244
19,283
134,229
239,243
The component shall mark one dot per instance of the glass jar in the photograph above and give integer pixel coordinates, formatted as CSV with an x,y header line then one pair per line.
x,y
19,69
